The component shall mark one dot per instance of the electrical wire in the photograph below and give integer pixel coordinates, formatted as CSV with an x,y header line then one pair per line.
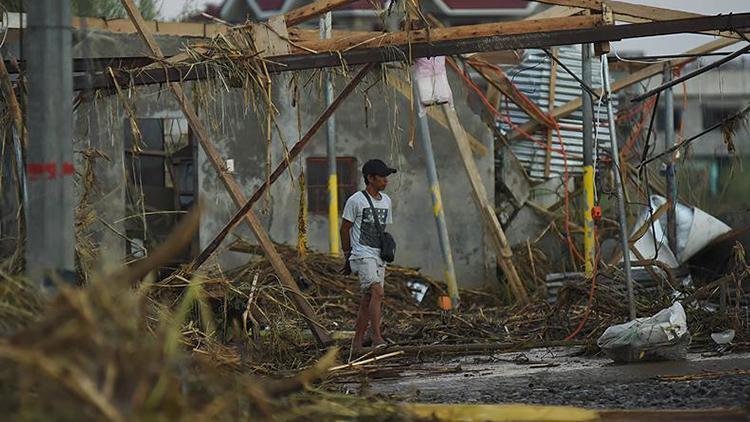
x,y
566,214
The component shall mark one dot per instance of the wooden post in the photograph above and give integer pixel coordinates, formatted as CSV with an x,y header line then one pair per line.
x,y
550,107
486,210
234,189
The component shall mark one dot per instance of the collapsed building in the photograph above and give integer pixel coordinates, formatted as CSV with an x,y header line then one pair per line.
x,y
518,220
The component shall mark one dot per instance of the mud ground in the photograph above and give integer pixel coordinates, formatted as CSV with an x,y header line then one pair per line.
x,y
561,377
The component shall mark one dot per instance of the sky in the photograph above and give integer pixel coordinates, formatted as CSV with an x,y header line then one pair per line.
x,y
654,45
170,9
671,44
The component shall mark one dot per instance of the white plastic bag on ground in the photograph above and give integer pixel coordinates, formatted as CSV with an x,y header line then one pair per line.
x,y
663,336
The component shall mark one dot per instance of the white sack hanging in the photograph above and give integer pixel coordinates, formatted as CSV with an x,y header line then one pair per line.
x,y
432,82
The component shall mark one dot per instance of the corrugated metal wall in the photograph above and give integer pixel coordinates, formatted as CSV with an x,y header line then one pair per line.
x,y
532,77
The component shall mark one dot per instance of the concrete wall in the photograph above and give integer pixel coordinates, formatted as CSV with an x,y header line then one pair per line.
x,y
381,132
238,132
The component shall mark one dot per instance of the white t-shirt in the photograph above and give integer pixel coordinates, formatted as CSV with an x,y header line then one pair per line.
x,y
364,236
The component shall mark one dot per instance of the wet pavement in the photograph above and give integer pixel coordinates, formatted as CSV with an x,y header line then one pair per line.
x,y
559,377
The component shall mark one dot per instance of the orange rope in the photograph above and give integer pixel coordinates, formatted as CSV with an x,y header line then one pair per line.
x,y
566,214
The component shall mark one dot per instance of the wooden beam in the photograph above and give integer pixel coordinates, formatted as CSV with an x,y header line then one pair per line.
x,y
14,109
246,206
234,189
314,9
653,70
497,78
486,209
125,26
392,53
635,13
453,34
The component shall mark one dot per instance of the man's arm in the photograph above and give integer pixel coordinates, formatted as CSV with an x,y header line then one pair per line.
x,y
346,227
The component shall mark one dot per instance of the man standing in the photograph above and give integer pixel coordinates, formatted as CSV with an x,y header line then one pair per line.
x,y
361,240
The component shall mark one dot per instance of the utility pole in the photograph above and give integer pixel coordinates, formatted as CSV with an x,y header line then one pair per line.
x,y
670,173
619,187
333,184
437,201
589,244
50,246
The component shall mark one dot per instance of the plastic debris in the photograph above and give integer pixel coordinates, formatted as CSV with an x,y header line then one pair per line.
x,y
663,336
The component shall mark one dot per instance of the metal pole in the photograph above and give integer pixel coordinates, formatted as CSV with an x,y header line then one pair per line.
x,y
589,246
669,171
619,187
333,185
437,202
50,234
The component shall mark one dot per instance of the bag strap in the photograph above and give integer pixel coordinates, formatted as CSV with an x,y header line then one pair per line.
x,y
374,213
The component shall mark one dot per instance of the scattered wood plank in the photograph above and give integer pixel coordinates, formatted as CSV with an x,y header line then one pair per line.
x,y
234,189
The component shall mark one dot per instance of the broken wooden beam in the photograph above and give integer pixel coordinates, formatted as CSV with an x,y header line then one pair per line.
x,y
486,209
428,48
246,206
234,189
497,78
435,36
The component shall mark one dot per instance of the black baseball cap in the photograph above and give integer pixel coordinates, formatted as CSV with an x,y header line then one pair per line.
x,y
377,167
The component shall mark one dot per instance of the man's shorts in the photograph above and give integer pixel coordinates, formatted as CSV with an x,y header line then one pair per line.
x,y
371,271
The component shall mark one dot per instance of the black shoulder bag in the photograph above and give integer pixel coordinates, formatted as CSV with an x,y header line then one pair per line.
x,y
387,243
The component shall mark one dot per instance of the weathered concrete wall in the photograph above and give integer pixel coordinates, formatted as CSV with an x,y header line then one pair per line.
x,y
238,132
381,131
99,126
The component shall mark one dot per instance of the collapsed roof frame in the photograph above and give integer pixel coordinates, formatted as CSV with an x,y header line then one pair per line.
x,y
540,33
409,44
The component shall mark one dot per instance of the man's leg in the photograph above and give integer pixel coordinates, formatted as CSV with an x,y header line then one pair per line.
x,y
363,317
376,301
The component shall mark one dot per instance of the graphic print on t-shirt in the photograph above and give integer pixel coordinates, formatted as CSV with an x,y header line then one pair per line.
x,y
370,236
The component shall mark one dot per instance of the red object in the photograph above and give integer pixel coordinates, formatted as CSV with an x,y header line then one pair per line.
x,y
49,170
596,213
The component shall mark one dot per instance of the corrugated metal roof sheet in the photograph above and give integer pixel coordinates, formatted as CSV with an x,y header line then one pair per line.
x,y
532,77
